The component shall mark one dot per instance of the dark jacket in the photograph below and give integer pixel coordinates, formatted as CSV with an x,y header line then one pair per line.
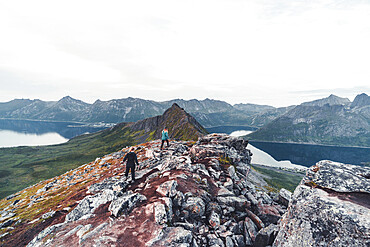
x,y
131,159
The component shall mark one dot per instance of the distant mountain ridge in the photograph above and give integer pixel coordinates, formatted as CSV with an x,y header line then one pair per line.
x,y
208,112
331,100
330,121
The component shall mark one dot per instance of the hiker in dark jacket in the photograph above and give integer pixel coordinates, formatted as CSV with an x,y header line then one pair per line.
x,y
164,137
131,161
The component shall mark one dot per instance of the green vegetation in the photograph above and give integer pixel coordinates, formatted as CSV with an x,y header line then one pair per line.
x,y
281,179
24,166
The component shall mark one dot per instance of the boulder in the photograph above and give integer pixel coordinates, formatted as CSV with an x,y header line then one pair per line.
x,y
172,236
224,192
233,201
125,203
266,236
238,240
232,173
213,240
229,242
250,229
168,188
339,177
251,198
195,206
110,183
214,220
285,196
89,204
329,208
160,213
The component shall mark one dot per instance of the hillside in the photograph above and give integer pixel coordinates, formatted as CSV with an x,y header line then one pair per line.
x,y
192,194
184,194
23,166
208,112
331,121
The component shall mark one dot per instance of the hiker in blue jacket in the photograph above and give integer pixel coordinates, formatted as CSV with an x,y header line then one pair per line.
x,y
131,161
165,137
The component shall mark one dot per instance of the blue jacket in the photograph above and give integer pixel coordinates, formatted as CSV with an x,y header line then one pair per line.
x,y
164,135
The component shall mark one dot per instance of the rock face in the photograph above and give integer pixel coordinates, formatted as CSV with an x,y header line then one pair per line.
x,y
191,194
331,207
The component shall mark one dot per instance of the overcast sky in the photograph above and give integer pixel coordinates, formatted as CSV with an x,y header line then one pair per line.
x,y
275,52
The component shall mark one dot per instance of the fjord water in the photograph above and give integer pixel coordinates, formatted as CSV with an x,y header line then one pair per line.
x,y
32,133
10,138
270,153
308,155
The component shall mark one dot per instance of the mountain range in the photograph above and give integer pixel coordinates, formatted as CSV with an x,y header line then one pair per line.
x,y
208,112
331,121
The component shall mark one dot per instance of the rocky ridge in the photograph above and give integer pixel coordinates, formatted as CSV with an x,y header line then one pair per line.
x,y
192,194
200,193
331,207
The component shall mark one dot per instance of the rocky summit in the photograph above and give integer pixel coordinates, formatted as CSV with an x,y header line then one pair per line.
x,y
331,207
193,193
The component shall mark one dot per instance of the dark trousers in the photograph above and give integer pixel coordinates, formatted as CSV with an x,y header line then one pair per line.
x,y
132,167
163,143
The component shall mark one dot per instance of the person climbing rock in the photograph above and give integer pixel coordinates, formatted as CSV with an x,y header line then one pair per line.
x,y
165,137
131,159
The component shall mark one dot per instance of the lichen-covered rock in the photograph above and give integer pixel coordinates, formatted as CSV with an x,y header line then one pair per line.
x,y
89,204
168,188
125,203
213,240
335,212
160,213
233,201
214,220
39,239
285,196
195,206
171,237
250,229
110,184
266,236
339,177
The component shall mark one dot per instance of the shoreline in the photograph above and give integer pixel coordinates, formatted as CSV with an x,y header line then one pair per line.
x,y
306,143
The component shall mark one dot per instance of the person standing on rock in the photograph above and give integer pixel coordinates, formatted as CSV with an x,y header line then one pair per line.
x,y
131,159
164,137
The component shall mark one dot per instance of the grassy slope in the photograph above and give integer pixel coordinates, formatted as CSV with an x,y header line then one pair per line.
x,y
280,179
24,166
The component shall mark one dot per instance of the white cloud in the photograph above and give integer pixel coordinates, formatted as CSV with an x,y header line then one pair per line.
x,y
240,51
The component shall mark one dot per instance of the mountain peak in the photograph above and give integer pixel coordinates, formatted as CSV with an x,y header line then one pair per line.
x,y
361,100
180,124
65,98
175,105
331,100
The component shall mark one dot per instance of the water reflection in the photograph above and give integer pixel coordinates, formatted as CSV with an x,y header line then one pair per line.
x,y
10,138
30,133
